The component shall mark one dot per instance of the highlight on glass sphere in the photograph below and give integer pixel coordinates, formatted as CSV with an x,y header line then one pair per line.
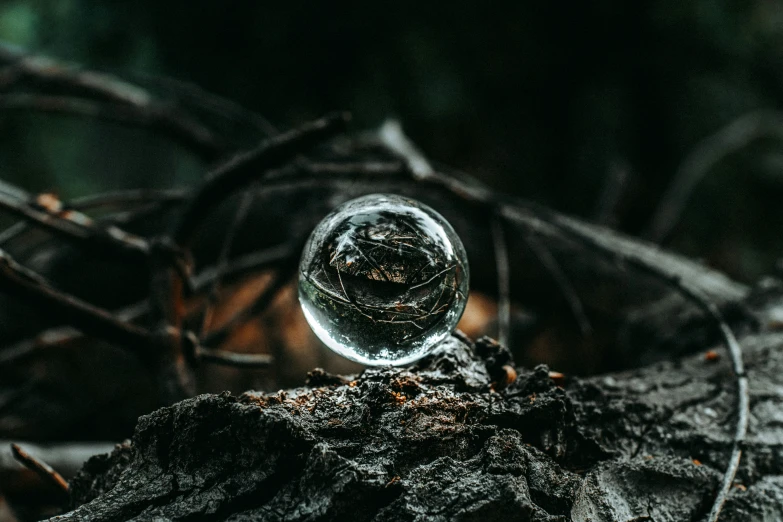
x,y
383,278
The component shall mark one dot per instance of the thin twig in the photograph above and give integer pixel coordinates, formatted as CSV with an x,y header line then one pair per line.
x,y
47,212
28,285
178,126
238,267
99,84
237,360
635,258
218,337
247,166
392,135
504,279
167,285
67,457
567,290
127,197
40,468
614,186
11,232
26,347
141,104
223,259
245,264
704,158
366,167
152,199
216,105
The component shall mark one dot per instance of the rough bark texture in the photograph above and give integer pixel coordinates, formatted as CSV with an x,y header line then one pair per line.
x,y
445,440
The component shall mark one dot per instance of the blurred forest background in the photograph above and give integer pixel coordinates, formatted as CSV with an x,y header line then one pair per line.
x,y
661,119
592,109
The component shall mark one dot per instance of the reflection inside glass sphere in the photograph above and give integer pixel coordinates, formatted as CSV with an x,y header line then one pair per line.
x,y
382,279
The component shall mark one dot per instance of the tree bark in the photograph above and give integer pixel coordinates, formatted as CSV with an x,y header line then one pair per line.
x,y
447,439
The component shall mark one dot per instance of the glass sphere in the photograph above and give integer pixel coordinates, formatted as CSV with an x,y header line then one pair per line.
x,y
383,279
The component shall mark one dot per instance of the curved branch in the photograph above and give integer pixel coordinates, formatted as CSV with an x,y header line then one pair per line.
x,y
705,157
697,297
53,71
178,126
247,166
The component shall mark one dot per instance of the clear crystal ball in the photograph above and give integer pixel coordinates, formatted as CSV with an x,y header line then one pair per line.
x,y
383,279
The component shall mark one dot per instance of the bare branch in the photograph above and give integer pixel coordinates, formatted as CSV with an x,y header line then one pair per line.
x,y
128,103
237,360
11,232
222,264
152,199
29,346
705,157
248,263
28,285
216,105
504,278
67,457
179,127
567,290
614,188
256,307
126,197
42,469
247,166
367,167
238,267
47,212
394,138
50,70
